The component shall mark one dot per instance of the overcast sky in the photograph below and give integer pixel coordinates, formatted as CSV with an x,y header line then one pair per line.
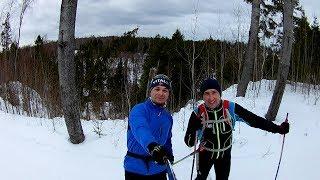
x,y
218,18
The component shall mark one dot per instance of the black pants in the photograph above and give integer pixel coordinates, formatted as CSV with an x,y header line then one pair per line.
x,y
134,176
221,165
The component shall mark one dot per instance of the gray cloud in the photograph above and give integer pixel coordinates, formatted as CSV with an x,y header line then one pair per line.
x,y
114,17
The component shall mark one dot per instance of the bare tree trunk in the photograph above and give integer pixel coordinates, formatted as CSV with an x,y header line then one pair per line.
x,y
6,97
193,92
192,63
66,48
262,65
25,5
305,58
127,85
222,61
180,84
239,56
247,71
238,15
285,60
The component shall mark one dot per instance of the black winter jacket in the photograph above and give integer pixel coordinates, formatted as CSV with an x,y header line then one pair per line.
x,y
216,134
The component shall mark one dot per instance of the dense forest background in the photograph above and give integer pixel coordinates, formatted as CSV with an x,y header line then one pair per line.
x,y
113,72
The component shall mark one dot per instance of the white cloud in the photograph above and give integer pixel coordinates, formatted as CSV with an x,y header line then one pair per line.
x,y
311,8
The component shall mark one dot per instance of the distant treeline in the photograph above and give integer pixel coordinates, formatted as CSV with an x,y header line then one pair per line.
x,y
113,72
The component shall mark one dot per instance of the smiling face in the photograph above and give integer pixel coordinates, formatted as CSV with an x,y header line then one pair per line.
x,y
159,95
212,98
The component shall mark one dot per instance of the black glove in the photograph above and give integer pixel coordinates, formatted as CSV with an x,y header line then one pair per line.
x,y
284,128
158,153
171,158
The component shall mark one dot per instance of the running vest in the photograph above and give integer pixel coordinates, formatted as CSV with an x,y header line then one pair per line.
x,y
217,126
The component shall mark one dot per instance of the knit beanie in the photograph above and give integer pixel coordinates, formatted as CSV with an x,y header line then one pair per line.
x,y
160,80
210,83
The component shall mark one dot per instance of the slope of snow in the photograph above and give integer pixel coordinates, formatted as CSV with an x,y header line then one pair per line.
x,y
38,149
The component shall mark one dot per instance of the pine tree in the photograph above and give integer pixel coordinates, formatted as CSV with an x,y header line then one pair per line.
x,y
6,34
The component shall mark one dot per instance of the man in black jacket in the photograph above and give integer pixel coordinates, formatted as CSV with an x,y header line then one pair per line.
x,y
213,122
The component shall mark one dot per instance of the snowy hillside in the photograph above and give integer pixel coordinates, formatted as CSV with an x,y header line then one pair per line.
x,y
38,149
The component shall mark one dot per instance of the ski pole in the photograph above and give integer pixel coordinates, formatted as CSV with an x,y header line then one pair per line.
x,y
192,153
171,174
284,136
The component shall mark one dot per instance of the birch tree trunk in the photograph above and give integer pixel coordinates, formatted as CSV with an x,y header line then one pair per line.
x,y
25,5
247,71
284,61
66,65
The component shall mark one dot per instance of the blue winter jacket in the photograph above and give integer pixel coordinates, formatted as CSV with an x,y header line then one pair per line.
x,y
147,123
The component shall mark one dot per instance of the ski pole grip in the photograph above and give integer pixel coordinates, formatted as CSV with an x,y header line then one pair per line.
x,y
287,117
167,161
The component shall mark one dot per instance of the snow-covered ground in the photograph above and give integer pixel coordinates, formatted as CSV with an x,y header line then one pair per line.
x,y
32,149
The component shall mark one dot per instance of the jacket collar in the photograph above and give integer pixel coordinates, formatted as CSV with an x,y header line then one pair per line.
x,y
151,104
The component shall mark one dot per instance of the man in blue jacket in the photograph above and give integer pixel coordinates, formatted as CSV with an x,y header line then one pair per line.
x,y
149,134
